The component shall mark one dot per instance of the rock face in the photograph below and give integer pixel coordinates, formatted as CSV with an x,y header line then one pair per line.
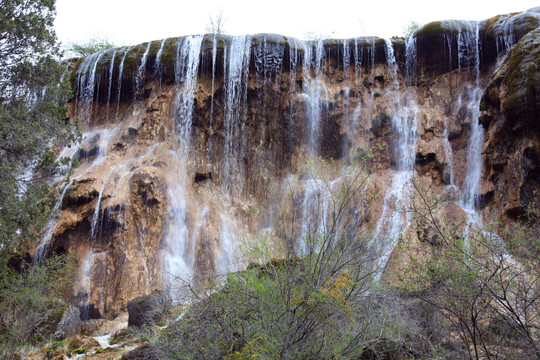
x,y
189,142
511,113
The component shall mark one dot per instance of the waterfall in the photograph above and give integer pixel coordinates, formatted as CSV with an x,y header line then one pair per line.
x,y
214,57
178,255
226,256
158,66
237,70
469,55
410,58
141,71
313,89
504,43
111,68
120,75
95,218
346,59
85,85
357,77
404,123
42,248
84,285
315,227
188,56
448,156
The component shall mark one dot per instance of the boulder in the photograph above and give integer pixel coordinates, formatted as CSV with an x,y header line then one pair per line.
x,y
147,309
89,327
70,323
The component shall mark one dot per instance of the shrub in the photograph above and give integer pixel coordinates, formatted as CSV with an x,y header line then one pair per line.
x,y
308,292
486,288
31,301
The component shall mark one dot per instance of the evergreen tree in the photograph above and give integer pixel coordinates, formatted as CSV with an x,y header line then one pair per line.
x,y
33,117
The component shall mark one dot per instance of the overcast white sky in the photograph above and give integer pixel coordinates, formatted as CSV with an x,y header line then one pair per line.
x,y
128,22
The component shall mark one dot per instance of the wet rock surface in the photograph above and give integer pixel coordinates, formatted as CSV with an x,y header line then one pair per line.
x,y
181,162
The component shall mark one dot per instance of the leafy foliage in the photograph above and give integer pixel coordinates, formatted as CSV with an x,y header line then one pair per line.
x,y
322,303
411,28
33,117
94,45
487,292
31,301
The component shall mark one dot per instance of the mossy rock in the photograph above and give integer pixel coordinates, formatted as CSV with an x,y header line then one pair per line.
x,y
516,24
276,39
522,79
444,27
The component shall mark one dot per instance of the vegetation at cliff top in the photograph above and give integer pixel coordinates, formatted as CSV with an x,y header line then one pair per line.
x,y
95,44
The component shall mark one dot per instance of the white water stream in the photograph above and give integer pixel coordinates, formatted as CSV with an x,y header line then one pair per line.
x,y
404,124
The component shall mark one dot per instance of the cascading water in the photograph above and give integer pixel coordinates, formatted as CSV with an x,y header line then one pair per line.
x,y
109,90
449,158
120,76
188,56
95,218
313,91
158,66
204,218
83,287
346,59
410,58
211,120
42,248
357,53
404,123
469,57
141,70
315,227
178,255
237,71
85,85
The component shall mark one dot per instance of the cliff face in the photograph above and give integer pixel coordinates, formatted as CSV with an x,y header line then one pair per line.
x,y
189,142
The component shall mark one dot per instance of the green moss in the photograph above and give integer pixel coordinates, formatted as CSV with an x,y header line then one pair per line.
x,y
522,76
208,42
488,25
221,43
105,60
431,28
442,27
133,59
517,24
80,350
73,74
168,55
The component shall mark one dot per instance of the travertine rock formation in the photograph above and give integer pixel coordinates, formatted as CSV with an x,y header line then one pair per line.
x,y
191,142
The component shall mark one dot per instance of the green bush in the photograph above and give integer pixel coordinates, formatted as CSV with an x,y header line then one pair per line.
x,y
31,301
486,287
321,303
